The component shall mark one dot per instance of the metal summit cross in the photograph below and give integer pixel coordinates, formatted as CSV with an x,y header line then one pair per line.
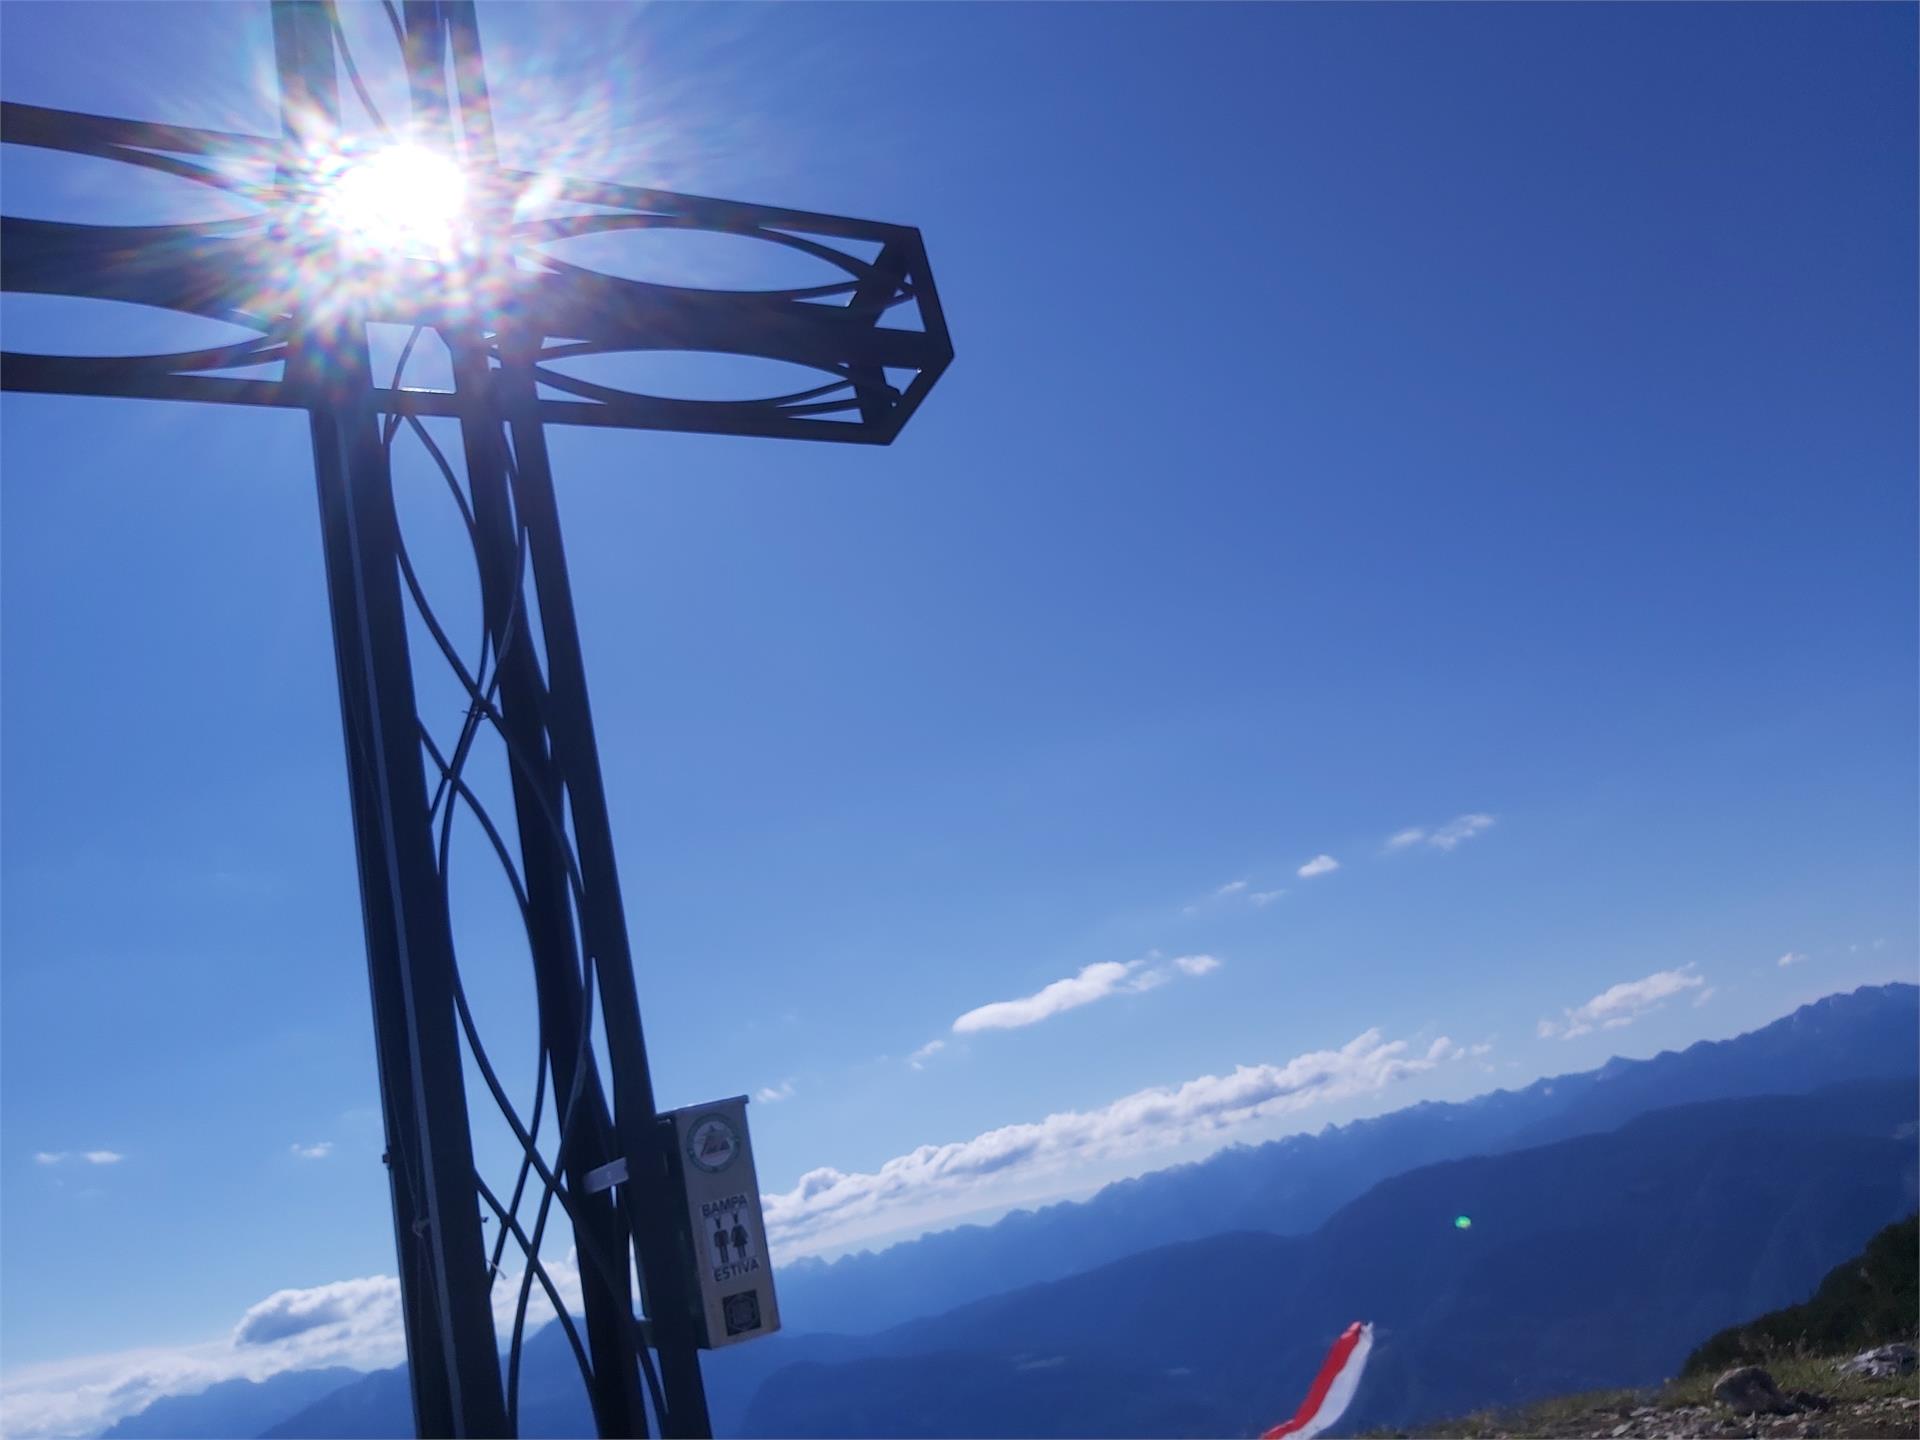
x,y
505,310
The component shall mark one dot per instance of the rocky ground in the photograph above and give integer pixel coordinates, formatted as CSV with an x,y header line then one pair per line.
x,y
1821,1402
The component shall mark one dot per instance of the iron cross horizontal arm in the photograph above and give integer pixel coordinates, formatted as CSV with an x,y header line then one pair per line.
x,y
509,313
874,373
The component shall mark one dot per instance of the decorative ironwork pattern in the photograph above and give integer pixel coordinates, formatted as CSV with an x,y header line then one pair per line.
x,y
876,337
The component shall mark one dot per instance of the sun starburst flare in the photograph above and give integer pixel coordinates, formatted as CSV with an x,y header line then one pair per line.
x,y
401,199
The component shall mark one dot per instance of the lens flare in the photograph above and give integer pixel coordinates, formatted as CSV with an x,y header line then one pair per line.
x,y
401,200
1463,1222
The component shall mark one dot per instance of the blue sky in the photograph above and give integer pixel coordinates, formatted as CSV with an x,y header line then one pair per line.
x,y
1367,419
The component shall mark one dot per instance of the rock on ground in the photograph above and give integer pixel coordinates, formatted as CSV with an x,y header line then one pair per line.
x,y
1881,1362
1750,1390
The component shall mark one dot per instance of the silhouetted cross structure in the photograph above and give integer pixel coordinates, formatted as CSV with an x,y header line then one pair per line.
x,y
505,310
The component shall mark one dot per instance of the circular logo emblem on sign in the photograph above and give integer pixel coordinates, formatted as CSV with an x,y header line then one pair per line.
x,y
712,1143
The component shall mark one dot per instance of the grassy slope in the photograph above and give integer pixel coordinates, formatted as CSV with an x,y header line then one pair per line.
x,y
1869,1300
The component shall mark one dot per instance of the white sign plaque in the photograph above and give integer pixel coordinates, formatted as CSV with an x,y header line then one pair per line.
x,y
714,1161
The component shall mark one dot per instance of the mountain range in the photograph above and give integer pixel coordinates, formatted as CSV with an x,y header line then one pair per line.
x,y
1617,1216
1597,1261
232,1407
1291,1186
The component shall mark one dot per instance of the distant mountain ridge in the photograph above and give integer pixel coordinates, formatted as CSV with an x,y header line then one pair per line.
x,y
1290,1186
232,1407
552,1403
1595,1261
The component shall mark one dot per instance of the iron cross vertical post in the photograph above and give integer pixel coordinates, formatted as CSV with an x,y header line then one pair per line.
x,y
442,1255
506,310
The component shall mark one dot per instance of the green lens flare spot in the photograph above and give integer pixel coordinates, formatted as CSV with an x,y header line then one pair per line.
x,y
1463,1222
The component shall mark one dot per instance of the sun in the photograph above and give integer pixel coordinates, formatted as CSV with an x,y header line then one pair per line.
x,y
402,199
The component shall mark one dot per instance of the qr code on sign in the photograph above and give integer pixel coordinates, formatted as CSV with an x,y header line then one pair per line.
x,y
742,1312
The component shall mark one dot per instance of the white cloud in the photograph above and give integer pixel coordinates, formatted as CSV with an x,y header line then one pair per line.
x,y
347,1322
1620,1005
1441,837
1459,829
319,1150
773,1094
84,1395
918,1060
1220,894
1792,957
1704,996
1477,1055
341,1314
90,1157
830,1206
1094,982
49,1157
1263,898
1318,865
103,1157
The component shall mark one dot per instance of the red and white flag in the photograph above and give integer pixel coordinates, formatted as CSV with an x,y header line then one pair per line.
x,y
1333,1388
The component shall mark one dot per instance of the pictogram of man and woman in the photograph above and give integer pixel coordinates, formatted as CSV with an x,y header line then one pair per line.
x,y
737,1238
